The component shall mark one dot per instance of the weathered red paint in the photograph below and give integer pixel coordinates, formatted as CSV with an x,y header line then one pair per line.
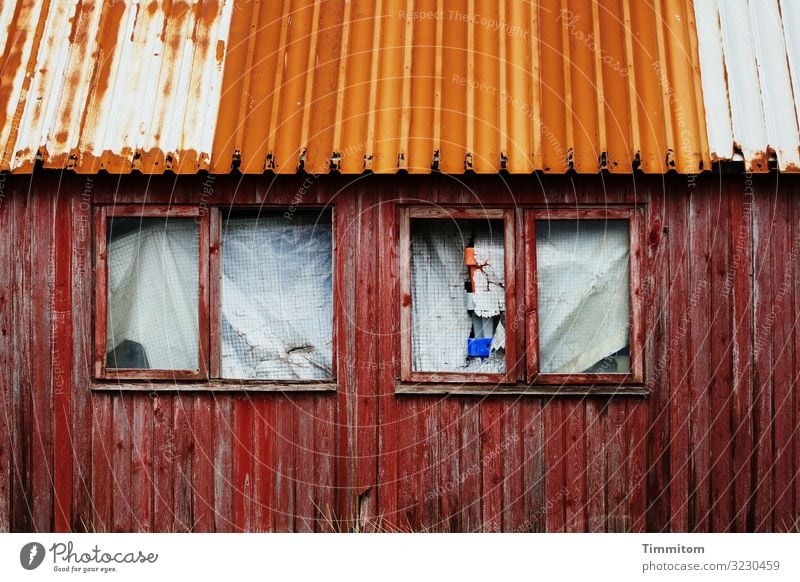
x,y
711,448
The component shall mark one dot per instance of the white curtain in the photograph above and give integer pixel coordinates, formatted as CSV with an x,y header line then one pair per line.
x,y
441,323
153,289
277,308
584,292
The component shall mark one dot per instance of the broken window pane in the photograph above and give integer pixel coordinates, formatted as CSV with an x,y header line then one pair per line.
x,y
584,296
458,296
152,293
277,308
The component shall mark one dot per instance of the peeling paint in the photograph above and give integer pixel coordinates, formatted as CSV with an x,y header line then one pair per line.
x,y
112,85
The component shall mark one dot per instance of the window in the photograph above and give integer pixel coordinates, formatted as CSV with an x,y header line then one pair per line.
x,y
276,296
242,295
584,321
581,312
150,275
458,286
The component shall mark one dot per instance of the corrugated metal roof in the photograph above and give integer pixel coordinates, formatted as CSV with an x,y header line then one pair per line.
x,y
750,60
352,85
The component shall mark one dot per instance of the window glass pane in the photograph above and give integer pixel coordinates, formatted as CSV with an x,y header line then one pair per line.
x,y
584,296
458,296
277,308
152,293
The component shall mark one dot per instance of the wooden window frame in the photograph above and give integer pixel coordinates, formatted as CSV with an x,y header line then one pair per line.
x,y
208,376
407,373
623,380
215,307
102,216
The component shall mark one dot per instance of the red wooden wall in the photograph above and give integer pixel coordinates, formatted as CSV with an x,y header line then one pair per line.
x,y
714,447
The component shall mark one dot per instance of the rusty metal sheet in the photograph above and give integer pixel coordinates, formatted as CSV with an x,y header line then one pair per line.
x,y
116,85
750,64
355,85
351,86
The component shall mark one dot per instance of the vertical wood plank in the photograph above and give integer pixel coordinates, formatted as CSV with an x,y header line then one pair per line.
x,y
203,465
264,488
428,420
141,492
721,503
82,286
786,252
470,475
325,463
618,508
102,462
595,465
345,245
7,291
61,381
491,466
41,337
636,433
555,466
533,465
740,286
223,465
793,196
182,464
164,453
700,347
21,377
243,463
511,456
575,466
285,466
121,467
390,333
450,469
654,289
367,355
405,421
415,478
304,486
672,369
763,412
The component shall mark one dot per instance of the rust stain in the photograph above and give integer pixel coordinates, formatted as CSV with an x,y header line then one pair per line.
x,y
107,42
790,168
74,31
11,60
758,161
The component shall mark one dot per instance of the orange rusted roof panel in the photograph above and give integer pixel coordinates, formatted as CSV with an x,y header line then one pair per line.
x,y
351,86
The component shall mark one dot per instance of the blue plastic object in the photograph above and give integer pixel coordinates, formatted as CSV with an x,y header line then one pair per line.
x,y
479,347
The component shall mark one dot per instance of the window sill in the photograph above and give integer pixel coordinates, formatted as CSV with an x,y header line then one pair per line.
x,y
523,389
213,386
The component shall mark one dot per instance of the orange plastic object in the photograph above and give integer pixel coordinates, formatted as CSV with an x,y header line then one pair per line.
x,y
469,257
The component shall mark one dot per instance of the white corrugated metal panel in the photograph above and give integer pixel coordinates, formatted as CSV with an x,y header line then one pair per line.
x,y
111,85
749,53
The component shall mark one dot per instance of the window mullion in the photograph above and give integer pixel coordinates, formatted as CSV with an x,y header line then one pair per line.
x,y
214,225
